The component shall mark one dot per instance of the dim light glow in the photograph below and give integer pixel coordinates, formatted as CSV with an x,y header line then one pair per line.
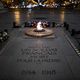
x,y
62,17
17,17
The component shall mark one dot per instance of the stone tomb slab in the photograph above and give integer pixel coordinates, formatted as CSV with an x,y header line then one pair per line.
x,y
39,59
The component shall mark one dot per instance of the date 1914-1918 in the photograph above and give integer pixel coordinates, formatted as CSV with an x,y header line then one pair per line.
x,y
33,72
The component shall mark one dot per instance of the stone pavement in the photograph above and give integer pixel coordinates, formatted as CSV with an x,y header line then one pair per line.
x,y
39,58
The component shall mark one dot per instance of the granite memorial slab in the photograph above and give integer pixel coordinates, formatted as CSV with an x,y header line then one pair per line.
x,y
39,58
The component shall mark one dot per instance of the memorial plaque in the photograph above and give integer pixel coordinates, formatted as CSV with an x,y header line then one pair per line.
x,y
39,59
